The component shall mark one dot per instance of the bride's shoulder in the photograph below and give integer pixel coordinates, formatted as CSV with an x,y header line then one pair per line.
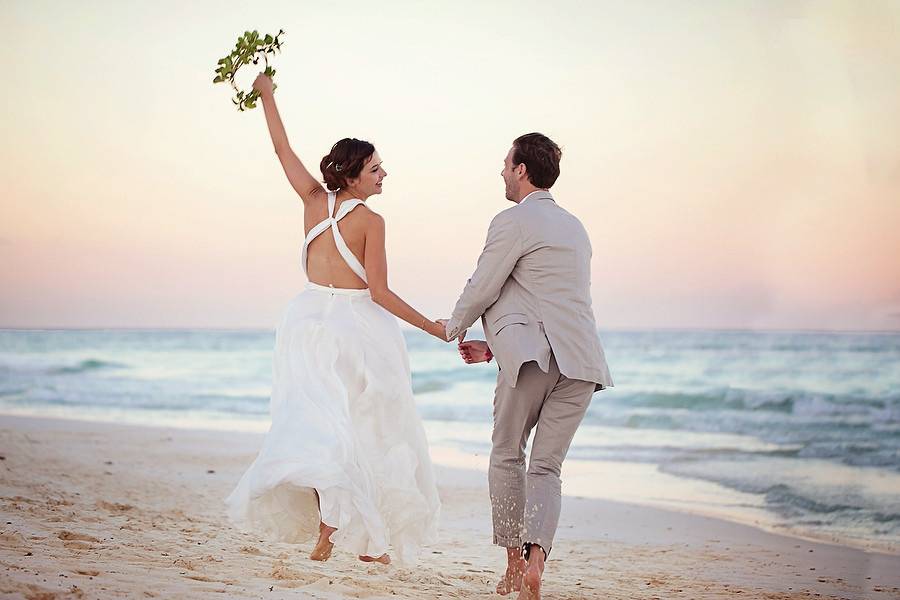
x,y
372,225
369,219
369,214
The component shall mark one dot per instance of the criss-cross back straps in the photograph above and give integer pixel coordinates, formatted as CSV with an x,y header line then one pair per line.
x,y
332,221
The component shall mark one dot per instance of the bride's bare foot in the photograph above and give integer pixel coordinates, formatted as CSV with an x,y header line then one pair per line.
x,y
531,579
383,559
512,579
323,548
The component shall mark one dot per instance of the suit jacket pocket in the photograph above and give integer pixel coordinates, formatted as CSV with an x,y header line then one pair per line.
x,y
509,319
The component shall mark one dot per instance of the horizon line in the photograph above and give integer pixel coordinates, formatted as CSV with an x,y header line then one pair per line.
x,y
627,329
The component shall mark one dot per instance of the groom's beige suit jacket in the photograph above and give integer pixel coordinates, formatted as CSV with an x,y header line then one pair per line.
x,y
531,288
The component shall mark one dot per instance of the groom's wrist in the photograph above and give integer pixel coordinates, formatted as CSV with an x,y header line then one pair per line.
x,y
452,330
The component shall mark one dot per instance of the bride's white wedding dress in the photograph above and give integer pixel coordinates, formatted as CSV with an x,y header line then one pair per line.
x,y
344,424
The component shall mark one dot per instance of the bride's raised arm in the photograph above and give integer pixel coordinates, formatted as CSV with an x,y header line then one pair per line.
x,y
301,180
376,274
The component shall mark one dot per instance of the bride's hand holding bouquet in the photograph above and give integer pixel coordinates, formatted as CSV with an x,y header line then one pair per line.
x,y
263,85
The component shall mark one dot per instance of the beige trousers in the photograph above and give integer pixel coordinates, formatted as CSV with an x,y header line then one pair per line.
x,y
525,506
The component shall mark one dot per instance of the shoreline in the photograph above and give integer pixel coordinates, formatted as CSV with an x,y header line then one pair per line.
x,y
406,327
140,508
578,478
574,471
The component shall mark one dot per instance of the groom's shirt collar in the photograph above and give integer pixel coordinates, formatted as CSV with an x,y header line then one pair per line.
x,y
537,194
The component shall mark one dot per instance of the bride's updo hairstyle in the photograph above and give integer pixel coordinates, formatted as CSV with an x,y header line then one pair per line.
x,y
345,161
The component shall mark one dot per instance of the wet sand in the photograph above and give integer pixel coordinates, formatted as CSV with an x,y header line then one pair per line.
x,y
98,510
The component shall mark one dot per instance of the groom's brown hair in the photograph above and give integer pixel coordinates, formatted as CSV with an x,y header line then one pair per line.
x,y
541,157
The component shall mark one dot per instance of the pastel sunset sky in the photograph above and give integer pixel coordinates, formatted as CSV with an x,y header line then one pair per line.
x,y
736,163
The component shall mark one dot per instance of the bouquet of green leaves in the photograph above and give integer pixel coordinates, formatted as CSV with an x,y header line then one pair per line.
x,y
249,49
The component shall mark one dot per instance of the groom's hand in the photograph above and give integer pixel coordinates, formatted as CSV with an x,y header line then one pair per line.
x,y
444,322
475,351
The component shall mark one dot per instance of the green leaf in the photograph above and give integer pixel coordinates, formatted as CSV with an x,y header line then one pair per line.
x,y
250,47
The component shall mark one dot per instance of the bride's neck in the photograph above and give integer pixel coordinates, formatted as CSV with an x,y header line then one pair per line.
x,y
344,194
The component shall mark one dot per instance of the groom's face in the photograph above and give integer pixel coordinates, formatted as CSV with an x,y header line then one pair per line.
x,y
510,178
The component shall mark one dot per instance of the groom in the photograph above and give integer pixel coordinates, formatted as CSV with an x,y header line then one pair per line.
x,y
531,288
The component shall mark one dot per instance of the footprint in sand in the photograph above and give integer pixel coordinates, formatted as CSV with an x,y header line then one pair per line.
x,y
35,592
12,538
283,572
78,537
334,587
184,563
210,558
52,503
61,519
77,546
115,507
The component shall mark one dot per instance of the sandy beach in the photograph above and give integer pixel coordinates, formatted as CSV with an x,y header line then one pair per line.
x,y
98,510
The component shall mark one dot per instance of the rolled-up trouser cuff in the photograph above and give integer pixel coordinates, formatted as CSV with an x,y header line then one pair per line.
x,y
507,542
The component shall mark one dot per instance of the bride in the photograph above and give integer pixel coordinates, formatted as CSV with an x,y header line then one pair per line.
x,y
346,456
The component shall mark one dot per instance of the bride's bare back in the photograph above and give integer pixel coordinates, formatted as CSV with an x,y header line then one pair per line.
x,y
324,263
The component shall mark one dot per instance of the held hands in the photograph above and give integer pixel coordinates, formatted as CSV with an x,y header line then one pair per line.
x,y
475,351
436,328
442,331
472,352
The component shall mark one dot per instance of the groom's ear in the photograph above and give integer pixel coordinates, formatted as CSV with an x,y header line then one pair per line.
x,y
521,170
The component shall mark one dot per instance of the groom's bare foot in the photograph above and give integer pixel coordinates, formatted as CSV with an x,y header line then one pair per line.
x,y
512,579
531,579
383,559
515,566
323,548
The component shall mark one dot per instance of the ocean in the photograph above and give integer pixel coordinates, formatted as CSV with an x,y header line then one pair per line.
x,y
795,432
